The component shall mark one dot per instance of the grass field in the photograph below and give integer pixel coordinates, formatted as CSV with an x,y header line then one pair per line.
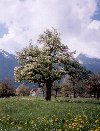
x,y
32,114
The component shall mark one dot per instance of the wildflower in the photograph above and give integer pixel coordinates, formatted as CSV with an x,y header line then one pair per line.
x,y
80,119
32,122
78,129
56,119
19,127
96,130
25,123
81,126
12,123
59,129
82,122
91,129
97,121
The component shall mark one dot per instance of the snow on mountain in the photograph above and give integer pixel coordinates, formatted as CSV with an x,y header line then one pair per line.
x,y
7,64
6,54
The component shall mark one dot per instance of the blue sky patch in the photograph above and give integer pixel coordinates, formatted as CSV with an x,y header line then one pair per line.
x,y
96,15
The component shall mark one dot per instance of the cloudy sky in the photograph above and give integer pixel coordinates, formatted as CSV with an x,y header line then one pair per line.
x,y
78,21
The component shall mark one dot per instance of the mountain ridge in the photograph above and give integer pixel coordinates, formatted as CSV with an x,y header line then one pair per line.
x,y
92,64
8,62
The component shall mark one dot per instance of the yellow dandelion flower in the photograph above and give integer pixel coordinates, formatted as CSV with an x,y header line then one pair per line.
x,y
96,129
91,129
59,129
81,126
80,119
70,126
82,122
96,121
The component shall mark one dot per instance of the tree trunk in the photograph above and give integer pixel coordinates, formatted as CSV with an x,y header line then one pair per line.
x,y
98,95
56,93
48,90
74,94
74,90
43,91
94,94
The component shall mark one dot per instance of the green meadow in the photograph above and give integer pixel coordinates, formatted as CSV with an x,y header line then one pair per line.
x,y
36,114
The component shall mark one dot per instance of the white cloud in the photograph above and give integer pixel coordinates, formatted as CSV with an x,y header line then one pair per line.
x,y
26,19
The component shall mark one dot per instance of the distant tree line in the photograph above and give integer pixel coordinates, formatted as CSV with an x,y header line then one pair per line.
x,y
7,89
87,88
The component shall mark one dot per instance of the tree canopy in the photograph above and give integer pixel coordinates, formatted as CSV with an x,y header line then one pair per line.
x,y
47,63
94,85
6,88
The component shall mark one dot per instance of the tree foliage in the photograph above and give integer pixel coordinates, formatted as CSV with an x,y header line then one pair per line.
x,y
22,90
48,63
94,85
6,88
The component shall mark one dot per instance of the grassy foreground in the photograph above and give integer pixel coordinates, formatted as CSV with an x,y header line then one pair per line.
x,y
29,114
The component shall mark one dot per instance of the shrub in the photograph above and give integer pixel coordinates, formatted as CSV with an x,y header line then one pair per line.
x,y
6,88
22,90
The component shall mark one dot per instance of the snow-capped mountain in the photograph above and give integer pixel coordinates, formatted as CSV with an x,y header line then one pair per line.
x,y
92,64
7,64
6,54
